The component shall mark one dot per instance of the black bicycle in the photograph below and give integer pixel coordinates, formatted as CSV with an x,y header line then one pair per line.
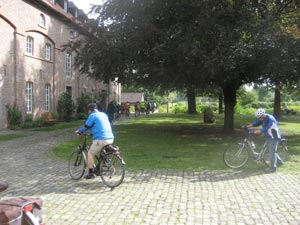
x,y
237,155
110,165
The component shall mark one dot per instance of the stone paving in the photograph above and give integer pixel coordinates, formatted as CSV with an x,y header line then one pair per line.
x,y
145,197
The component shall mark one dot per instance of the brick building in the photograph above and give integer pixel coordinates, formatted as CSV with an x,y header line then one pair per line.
x,y
35,68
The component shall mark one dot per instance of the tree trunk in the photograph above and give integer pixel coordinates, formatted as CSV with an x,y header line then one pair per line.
x,y
229,100
221,104
277,100
191,96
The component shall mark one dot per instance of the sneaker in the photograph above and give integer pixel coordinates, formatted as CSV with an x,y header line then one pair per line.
x,y
90,176
270,170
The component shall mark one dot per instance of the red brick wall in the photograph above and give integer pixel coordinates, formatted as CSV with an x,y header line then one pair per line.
x,y
18,20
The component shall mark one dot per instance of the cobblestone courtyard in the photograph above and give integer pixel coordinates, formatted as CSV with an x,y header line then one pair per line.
x,y
145,197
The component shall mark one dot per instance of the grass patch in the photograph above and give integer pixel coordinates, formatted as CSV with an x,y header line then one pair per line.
x,y
61,125
184,142
8,137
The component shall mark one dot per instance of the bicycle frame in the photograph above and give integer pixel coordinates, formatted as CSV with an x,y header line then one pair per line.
x,y
258,156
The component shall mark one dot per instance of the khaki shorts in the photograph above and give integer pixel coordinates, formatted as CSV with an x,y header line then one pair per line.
x,y
97,145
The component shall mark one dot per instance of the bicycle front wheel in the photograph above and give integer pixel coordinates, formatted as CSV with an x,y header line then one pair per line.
x,y
236,156
77,164
112,170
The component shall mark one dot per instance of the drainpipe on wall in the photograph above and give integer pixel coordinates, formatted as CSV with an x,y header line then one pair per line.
x,y
15,64
53,82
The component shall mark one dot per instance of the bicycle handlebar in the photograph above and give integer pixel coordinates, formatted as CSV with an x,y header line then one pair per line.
x,y
246,131
84,134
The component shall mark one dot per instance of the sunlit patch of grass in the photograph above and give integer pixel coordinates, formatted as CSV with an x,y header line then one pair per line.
x,y
184,142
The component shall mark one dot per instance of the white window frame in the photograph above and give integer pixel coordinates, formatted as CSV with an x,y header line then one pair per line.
x,y
29,97
48,51
42,20
47,97
29,45
68,64
66,5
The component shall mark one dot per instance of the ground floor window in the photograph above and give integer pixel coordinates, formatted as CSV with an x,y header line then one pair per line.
x,y
47,97
29,97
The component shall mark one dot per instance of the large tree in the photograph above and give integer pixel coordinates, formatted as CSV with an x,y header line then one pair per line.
x,y
185,44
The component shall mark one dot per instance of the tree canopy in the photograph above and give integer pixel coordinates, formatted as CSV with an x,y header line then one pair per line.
x,y
190,45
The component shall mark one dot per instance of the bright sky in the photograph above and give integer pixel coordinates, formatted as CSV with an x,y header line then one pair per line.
x,y
85,5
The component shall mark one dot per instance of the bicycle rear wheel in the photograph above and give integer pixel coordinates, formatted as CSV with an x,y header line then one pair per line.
x,y
77,164
112,170
236,156
282,152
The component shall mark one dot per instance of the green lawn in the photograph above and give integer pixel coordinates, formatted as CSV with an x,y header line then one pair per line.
x,y
183,142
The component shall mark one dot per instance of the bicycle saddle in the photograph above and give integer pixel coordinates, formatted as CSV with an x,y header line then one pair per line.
x,y
3,186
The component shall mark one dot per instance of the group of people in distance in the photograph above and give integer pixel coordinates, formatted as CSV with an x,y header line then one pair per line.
x,y
114,110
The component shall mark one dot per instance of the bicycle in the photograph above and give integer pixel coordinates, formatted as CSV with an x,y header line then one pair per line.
x,y
237,155
127,112
20,210
110,165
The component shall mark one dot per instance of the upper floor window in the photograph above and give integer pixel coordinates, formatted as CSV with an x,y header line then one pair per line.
x,y
68,65
48,52
29,45
29,97
73,34
66,5
42,20
52,1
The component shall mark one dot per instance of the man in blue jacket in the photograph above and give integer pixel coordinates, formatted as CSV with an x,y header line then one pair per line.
x,y
271,131
100,127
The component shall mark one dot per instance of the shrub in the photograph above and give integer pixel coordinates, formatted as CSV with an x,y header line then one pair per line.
x,y
295,108
162,108
247,97
65,107
28,121
82,103
38,122
243,110
205,107
257,105
14,117
179,108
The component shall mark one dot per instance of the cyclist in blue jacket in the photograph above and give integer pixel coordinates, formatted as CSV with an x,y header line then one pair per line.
x,y
272,134
100,127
